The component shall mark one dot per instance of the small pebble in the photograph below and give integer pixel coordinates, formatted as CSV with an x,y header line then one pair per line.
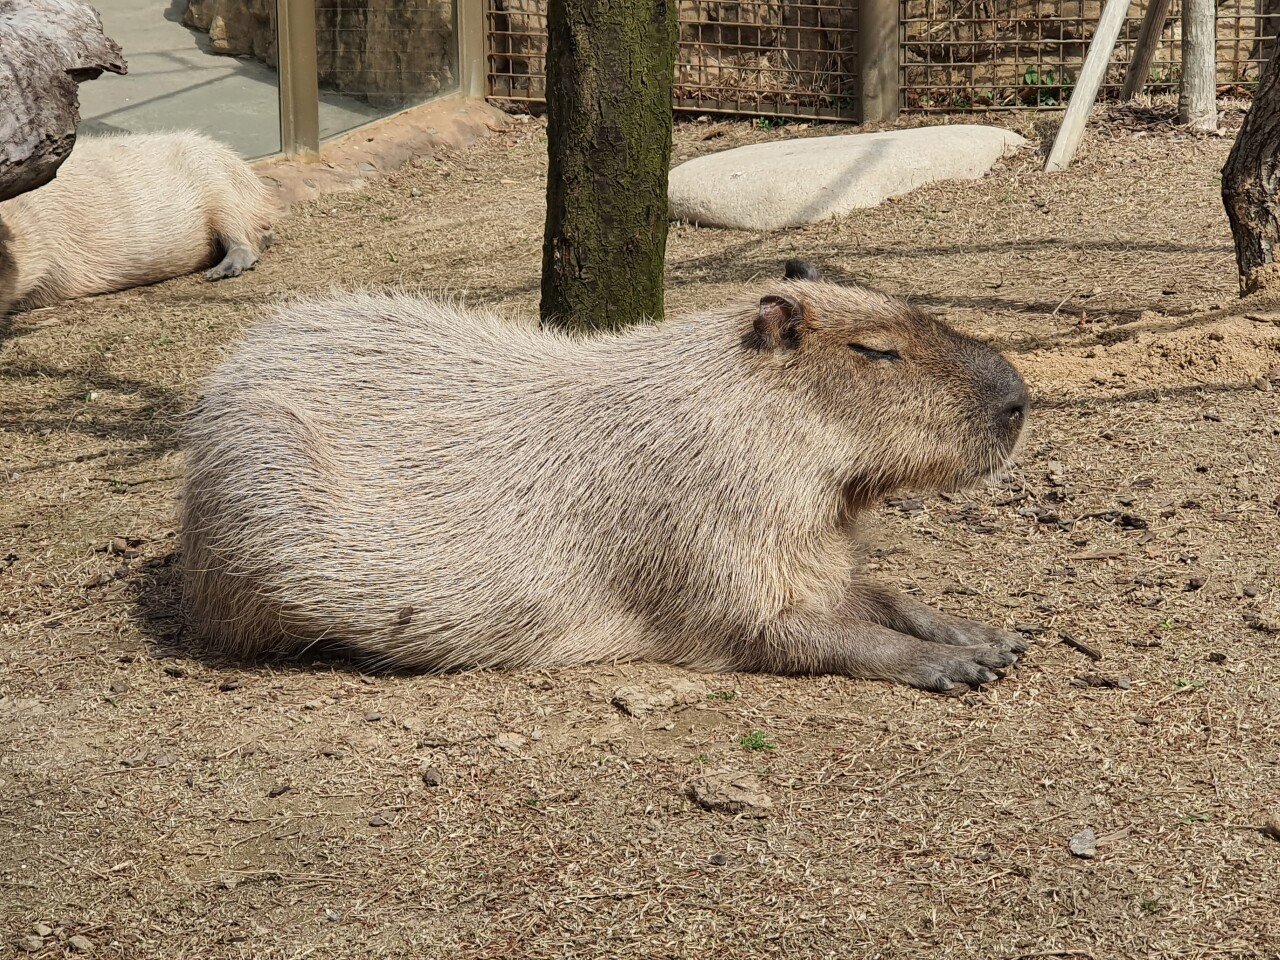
x,y
226,686
79,944
279,791
1084,844
432,777
119,687
1216,657
42,929
31,944
1250,591
1272,826
378,820
415,192
719,859
373,716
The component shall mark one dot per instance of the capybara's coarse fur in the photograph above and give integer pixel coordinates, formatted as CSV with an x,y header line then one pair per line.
x,y
129,210
439,488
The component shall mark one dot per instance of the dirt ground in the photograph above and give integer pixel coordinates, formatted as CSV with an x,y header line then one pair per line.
x,y
158,804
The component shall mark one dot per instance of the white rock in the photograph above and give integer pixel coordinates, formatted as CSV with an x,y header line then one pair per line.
x,y
639,701
726,792
788,183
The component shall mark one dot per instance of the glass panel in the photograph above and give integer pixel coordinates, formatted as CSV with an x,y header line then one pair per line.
x,y
180,78
376,57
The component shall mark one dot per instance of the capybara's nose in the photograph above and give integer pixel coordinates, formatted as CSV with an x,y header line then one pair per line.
x,y
1013,411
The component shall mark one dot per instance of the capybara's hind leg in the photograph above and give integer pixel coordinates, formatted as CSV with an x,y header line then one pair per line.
x,y
240,257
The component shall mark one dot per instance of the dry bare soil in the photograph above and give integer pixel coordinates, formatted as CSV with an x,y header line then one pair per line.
x,y
157,804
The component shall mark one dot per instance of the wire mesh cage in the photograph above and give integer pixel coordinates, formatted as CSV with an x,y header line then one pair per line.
x,y
1008,54
778,58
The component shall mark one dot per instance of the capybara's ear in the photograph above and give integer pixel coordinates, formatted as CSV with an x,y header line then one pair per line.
x,y
778,323
800,270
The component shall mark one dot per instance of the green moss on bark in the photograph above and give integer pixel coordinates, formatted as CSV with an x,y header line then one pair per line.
x,y
609,86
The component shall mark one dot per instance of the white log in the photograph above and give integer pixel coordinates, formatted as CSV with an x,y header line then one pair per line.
x,y
46,48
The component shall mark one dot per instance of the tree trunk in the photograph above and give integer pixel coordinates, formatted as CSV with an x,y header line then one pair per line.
x,y
610,65
1198,98
46,48
1251,184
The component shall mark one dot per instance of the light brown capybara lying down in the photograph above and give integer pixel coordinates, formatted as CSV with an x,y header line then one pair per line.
x,y
129,210
438,488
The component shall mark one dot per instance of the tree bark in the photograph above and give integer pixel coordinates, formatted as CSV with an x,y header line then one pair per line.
x,y
1251,184
46,48
1198,98
610,67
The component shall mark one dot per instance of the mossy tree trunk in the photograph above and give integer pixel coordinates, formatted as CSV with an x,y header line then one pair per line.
x,y
610,65
1251,185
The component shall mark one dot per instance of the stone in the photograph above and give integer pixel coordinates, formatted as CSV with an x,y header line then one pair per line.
x,y
735,793
789,183
80,944
510,742
1084,844
638,701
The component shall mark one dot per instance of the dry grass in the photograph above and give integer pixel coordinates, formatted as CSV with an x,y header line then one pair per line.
x,y
140,788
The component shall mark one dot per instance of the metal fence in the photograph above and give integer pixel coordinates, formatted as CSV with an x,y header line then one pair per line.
x,y
783,58
800,58
1007,54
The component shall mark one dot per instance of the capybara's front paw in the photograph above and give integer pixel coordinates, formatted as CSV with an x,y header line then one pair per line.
x,y
223,271
968,633
943,668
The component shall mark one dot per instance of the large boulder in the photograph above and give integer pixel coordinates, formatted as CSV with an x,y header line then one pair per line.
x,y
788,183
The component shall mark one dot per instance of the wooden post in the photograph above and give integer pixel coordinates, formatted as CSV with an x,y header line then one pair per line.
x,y
1086,89
472,63
1197,100
878,59
1144,50
299,78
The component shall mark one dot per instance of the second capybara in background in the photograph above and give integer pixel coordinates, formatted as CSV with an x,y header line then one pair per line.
x,y
129,210
436,487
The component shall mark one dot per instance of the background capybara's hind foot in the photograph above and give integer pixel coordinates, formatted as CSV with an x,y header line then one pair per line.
x,y
239,258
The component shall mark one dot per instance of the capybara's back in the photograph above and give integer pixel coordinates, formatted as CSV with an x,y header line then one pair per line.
x,y
440,488
130,210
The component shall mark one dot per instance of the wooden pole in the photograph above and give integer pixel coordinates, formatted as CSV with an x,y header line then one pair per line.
x,y
1197,100
472,67
1086,89
299,78
878,59
1144,50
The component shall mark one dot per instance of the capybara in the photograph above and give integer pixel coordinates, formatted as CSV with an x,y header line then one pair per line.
x,y
435,487
128,210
